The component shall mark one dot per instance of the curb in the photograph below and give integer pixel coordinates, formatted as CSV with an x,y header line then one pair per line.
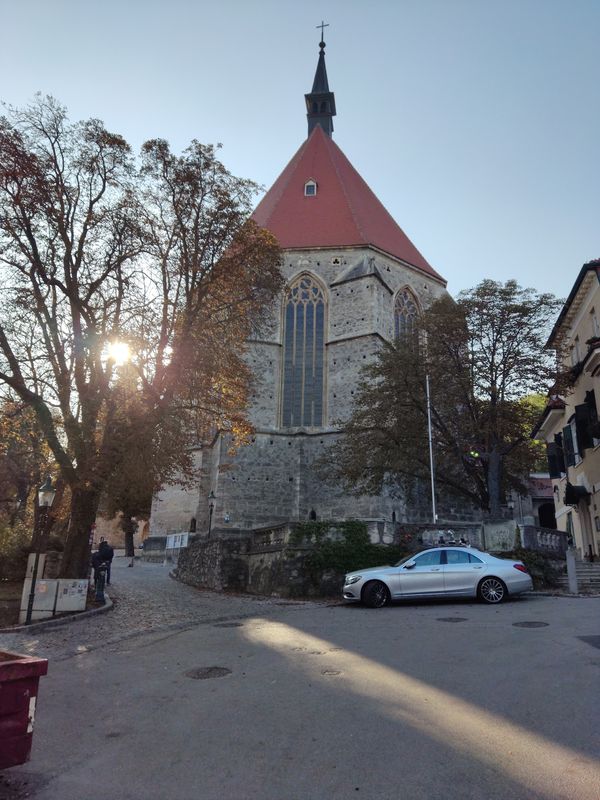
x,y
39,627
582,596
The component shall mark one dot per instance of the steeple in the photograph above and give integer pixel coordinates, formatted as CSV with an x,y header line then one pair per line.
x,y
320,103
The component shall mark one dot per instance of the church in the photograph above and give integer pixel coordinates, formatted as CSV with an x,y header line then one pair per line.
x,y
353,280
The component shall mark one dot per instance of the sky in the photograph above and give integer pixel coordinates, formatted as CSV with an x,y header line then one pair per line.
x,y
475,122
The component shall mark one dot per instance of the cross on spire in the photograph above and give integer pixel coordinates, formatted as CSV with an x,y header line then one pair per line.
x,y
323,25
320,102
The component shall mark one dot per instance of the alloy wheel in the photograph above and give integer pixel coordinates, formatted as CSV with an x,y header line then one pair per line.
x,y
492,590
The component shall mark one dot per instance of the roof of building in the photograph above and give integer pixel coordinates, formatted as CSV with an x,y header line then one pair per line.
x,y
590,268
343,212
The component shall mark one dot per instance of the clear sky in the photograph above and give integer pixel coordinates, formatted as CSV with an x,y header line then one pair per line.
x,y
476,122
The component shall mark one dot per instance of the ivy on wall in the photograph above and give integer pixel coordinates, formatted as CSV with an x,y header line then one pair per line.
x,y
341,547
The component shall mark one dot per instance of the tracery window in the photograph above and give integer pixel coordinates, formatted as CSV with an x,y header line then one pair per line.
x,y
406,313
303,353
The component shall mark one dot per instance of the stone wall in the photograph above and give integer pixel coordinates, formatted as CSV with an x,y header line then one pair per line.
x,y
244,565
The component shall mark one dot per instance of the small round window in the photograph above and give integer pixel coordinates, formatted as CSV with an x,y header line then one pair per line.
x,y
310,189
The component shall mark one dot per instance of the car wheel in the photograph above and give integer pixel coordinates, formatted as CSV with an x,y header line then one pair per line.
x,y
375,594
492,590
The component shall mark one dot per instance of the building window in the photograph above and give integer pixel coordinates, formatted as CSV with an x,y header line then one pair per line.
x,y
575,358
310,189
303,352
571,445
406,313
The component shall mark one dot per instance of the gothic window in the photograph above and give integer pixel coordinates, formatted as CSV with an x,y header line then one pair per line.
x,y
303,352
312,515
406,313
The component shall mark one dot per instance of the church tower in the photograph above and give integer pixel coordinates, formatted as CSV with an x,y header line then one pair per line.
x,y
353,281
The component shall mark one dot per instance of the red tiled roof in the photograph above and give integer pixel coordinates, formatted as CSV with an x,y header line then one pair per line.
x,y
343,213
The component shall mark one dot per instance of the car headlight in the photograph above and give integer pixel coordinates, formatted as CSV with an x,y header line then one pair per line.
x,y
352,579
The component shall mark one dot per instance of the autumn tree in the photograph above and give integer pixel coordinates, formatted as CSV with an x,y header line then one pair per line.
x,y
484,355
157,255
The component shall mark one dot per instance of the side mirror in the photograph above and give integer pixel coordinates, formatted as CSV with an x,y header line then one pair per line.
x,y
409,565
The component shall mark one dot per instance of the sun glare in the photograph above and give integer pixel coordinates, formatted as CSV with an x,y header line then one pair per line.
x,y
119,353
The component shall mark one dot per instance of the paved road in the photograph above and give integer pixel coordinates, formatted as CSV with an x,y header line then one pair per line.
x,y
316,701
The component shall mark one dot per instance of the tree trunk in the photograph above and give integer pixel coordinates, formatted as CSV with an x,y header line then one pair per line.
x,y
494,480
76,557
129,526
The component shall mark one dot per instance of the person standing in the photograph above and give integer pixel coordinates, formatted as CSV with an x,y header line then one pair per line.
x,y
106,554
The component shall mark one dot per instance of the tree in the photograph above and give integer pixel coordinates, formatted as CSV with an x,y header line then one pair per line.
x,y
485,360
96,249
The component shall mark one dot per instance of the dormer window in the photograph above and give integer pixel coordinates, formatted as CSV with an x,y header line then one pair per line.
x,y
310,189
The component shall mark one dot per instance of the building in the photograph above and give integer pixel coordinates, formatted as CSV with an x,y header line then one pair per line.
x,y
353,281
570,425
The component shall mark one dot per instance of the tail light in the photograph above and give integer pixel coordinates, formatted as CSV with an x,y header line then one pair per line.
x,y
521,568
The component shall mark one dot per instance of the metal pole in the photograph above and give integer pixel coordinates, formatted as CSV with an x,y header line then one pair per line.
x,y
41,521
431,467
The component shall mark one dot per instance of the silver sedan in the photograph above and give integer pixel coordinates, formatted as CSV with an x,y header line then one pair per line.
x,y
439,572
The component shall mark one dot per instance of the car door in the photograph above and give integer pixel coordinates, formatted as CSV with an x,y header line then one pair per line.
x,y
425,577
462,572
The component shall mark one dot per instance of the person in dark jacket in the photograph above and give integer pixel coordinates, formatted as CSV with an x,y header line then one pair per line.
x,y
106,553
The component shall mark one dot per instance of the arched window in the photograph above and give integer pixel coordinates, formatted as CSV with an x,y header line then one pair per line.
x,y
303,352
406,313
193,525
313,514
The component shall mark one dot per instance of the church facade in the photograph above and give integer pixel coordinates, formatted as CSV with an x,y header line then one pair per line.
x,y
353,281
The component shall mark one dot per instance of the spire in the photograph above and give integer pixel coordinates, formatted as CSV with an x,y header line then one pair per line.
x,y
320,103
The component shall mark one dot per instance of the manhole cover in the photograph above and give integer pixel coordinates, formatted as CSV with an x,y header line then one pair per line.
x,y
228,625
451,619
530,624
202,673
331,672
593,640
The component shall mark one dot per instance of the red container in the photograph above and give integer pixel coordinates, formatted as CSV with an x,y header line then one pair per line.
x,y
19,678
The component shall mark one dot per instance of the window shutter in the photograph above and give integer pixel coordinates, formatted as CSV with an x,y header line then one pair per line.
x,y
552,456
560,455
582,426
590,401
568,448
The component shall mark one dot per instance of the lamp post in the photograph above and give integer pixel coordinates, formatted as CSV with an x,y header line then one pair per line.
x,y
211,508
46,494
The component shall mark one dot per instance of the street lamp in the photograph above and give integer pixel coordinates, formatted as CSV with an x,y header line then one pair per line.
x,y
211,508
46,494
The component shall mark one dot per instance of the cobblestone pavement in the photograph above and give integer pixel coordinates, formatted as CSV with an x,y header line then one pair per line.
x,y
146,601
